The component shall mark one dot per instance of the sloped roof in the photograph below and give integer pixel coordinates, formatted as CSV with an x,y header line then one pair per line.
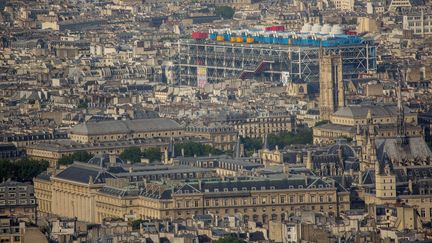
x,y
82,173
361,111
125,126
416,148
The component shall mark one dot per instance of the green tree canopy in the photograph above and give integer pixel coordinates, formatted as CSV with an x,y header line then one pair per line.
x,y
303,136
152,154
83,104
133,154
194,148
81,156
136,224
225,12
251,144
230,239
22,170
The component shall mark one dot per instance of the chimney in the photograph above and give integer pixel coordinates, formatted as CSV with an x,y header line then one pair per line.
x,y
130,169
182,152
309,160
112,159
285,168
410,186
200,185
360,178
166,156
277,148
298,158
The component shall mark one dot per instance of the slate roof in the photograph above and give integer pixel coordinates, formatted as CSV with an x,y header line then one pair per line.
x,y
256,184
135,192
361,111
125,126
81,173
331,126
415,149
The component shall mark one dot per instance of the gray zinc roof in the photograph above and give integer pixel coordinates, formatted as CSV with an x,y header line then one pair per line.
x,y
125,126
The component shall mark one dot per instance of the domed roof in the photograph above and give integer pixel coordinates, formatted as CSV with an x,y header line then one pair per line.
x,y
105,160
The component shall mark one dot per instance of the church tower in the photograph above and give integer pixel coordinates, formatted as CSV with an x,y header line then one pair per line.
x,y
332,95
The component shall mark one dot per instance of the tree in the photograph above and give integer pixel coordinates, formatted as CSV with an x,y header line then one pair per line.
x,y
80,156
83,105
230,239
194,148
225,12
251,144
6,170
152,154
303,136
136,224
133,154
22,170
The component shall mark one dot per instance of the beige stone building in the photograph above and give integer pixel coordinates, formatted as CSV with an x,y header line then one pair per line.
x,y
17,200
92,193
104,131
222,137
52,151
345,5
347,121
259,126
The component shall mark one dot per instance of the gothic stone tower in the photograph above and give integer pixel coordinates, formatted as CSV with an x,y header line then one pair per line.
x,y
332,95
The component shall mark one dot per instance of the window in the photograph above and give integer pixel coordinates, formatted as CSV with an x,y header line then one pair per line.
x,y
282,199
254,200
207,203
